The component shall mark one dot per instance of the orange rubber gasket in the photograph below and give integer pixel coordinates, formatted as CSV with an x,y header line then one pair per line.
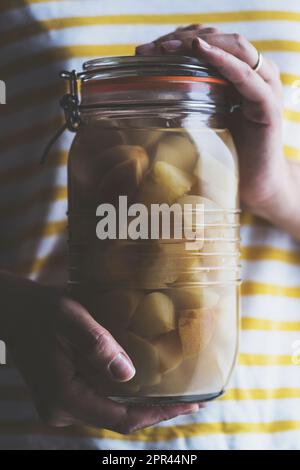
x,y
143,82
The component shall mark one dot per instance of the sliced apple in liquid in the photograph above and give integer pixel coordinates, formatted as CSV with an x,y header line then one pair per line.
x,y
122,180
145,138
117,306
175,181
169,350
145,358
154,316
186,298
178,151
123,153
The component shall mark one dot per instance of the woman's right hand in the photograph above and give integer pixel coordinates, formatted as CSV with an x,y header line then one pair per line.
x,y
269,182
48,335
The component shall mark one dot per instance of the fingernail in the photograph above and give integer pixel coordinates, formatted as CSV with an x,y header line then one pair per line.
x,y
121,368
171,46
191,409
145,48
203,44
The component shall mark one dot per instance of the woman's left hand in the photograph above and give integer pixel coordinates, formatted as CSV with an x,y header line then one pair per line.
x,y
269,183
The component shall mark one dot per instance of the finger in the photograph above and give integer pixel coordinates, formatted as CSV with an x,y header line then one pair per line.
x,y
259,98
182,41
240,47
198,27
145,416
182,33
92,410
93,341
234,44
191,27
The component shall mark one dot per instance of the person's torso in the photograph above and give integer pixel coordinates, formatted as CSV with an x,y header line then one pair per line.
x,y
262,406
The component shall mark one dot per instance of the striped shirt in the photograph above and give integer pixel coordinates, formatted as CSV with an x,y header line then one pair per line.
x,y
38,39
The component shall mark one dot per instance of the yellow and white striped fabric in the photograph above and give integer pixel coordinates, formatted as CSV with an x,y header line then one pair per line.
x,y
38,39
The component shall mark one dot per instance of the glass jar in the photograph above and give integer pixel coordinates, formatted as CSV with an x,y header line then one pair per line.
x,y
153,133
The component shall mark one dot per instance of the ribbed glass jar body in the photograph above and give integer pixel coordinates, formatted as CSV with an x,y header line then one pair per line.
x,y
154,226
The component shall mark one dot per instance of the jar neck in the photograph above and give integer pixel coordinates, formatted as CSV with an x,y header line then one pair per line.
x,y
158,116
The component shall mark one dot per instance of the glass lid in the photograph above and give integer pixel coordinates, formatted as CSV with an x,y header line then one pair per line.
x,y
160,65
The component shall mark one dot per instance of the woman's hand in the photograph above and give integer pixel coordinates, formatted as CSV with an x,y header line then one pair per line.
x,y
270,185
49,335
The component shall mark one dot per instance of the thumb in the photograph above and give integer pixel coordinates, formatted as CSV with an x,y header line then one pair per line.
x,y
93,341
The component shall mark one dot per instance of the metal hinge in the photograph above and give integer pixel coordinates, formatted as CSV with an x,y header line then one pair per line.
x,y
70,106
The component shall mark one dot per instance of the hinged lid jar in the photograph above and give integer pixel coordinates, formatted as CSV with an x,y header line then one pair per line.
x,y
154,221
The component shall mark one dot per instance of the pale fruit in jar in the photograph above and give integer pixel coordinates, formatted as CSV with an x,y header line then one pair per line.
x,y
228,141
210,169
210,142
186,298
145,138
195,330
165,184
118,260
147,265
174,253
123,153
225,199
178,151
184,262
175,181
94,138
152,193
101,134
85,156
123,179
216,180
154,316
174,382
157,267
118,306
169,350
153,278
145,358
197,375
